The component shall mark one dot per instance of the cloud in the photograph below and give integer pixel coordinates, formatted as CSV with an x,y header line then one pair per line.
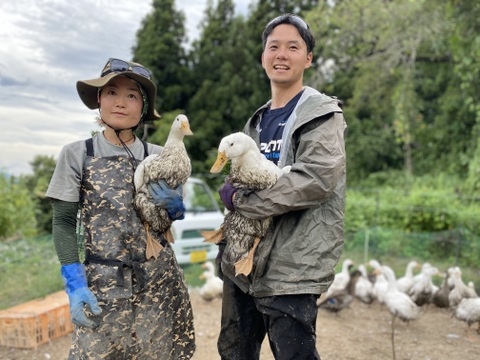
x,y
45,47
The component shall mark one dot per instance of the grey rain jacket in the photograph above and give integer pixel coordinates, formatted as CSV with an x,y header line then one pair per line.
x,y
307,204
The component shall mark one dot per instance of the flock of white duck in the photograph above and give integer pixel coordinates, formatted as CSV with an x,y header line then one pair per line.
x,y
405,296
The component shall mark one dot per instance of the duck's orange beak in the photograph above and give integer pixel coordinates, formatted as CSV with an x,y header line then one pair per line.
x,y
219,163
185,128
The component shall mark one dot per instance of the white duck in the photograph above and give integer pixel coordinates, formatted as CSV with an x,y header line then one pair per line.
x,y
172,165
450,272
471,285
468,310
405,282
423,288
213,286
249,170
397,302
380,285
342,278
363,287
460,290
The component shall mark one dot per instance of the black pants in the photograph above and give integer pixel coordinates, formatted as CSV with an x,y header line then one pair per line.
x,y
289,321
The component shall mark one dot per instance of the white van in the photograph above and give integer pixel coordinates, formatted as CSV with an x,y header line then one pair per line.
x,y
202,213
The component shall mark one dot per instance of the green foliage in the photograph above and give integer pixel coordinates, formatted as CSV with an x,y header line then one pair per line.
x,y
29,269
229,88
400,82
17,209
37,183
455,247
159,47
422,204
192,273
424,216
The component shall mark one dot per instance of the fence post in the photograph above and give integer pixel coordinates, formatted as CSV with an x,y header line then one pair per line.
x,y
365,245
459,244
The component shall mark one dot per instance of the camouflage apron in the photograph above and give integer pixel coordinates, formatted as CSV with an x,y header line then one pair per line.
x,y
146,310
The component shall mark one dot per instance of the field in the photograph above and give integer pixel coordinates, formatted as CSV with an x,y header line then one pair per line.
x,y
359,332
356,333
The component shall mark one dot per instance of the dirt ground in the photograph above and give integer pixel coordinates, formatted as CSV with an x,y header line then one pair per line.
x,y
359,332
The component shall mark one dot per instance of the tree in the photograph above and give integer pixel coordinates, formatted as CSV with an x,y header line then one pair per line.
x,y
225,82
17,217
465,45
394,73
37,184
160,47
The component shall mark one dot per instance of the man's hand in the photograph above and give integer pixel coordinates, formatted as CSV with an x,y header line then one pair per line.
x,y
227,193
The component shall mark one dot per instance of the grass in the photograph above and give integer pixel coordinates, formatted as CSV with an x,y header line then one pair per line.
x,y
29,269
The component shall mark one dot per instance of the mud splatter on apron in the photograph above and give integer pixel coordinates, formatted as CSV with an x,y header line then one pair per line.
x,y
146,310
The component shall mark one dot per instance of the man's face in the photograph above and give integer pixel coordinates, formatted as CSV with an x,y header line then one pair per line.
x,y
285,56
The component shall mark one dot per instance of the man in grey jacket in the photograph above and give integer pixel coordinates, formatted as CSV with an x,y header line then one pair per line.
x,y
295,261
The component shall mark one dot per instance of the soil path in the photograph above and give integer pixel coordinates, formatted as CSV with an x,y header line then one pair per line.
x,y
359,332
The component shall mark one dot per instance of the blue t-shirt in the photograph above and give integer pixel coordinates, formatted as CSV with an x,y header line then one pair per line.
x,y
271,129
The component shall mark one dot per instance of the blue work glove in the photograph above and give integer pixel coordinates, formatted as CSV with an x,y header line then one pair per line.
x,y
226,195
167,198
79,294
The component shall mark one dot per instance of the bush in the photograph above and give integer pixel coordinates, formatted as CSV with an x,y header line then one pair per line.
x,y
17,210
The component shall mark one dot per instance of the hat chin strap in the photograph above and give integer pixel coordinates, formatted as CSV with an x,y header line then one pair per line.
x,y
118,131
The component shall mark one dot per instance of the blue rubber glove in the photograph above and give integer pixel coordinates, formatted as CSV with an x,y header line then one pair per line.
x,y
79,294
226,195
167,198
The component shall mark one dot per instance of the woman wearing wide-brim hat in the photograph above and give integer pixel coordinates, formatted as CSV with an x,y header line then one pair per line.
x,y
123,305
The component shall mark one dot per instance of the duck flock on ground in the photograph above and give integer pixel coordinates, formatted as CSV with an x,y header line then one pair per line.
x,y
406,295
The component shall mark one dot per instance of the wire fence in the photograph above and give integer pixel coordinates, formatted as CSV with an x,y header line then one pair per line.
x,y
458,247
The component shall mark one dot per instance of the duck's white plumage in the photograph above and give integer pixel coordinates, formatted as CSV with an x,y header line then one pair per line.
x,y
460,290
213,286
249,170
342,278
363,288
422,289
172,165
405,282
380,286
468,310
398,303
471,285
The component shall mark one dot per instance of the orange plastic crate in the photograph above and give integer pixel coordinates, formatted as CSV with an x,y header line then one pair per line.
x,y
35,322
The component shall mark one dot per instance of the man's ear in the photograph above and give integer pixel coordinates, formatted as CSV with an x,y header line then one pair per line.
x,y
309,60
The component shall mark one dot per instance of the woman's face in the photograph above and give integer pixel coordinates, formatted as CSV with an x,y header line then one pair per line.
x,y
121,103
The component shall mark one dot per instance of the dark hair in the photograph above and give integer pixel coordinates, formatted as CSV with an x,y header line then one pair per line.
x,y
294,20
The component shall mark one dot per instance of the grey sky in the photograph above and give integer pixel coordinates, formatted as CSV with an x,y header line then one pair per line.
x,y
45,47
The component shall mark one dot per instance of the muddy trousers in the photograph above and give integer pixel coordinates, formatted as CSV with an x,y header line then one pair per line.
x,y
289,321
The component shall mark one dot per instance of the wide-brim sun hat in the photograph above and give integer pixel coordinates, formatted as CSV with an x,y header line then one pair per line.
x,y
88,89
